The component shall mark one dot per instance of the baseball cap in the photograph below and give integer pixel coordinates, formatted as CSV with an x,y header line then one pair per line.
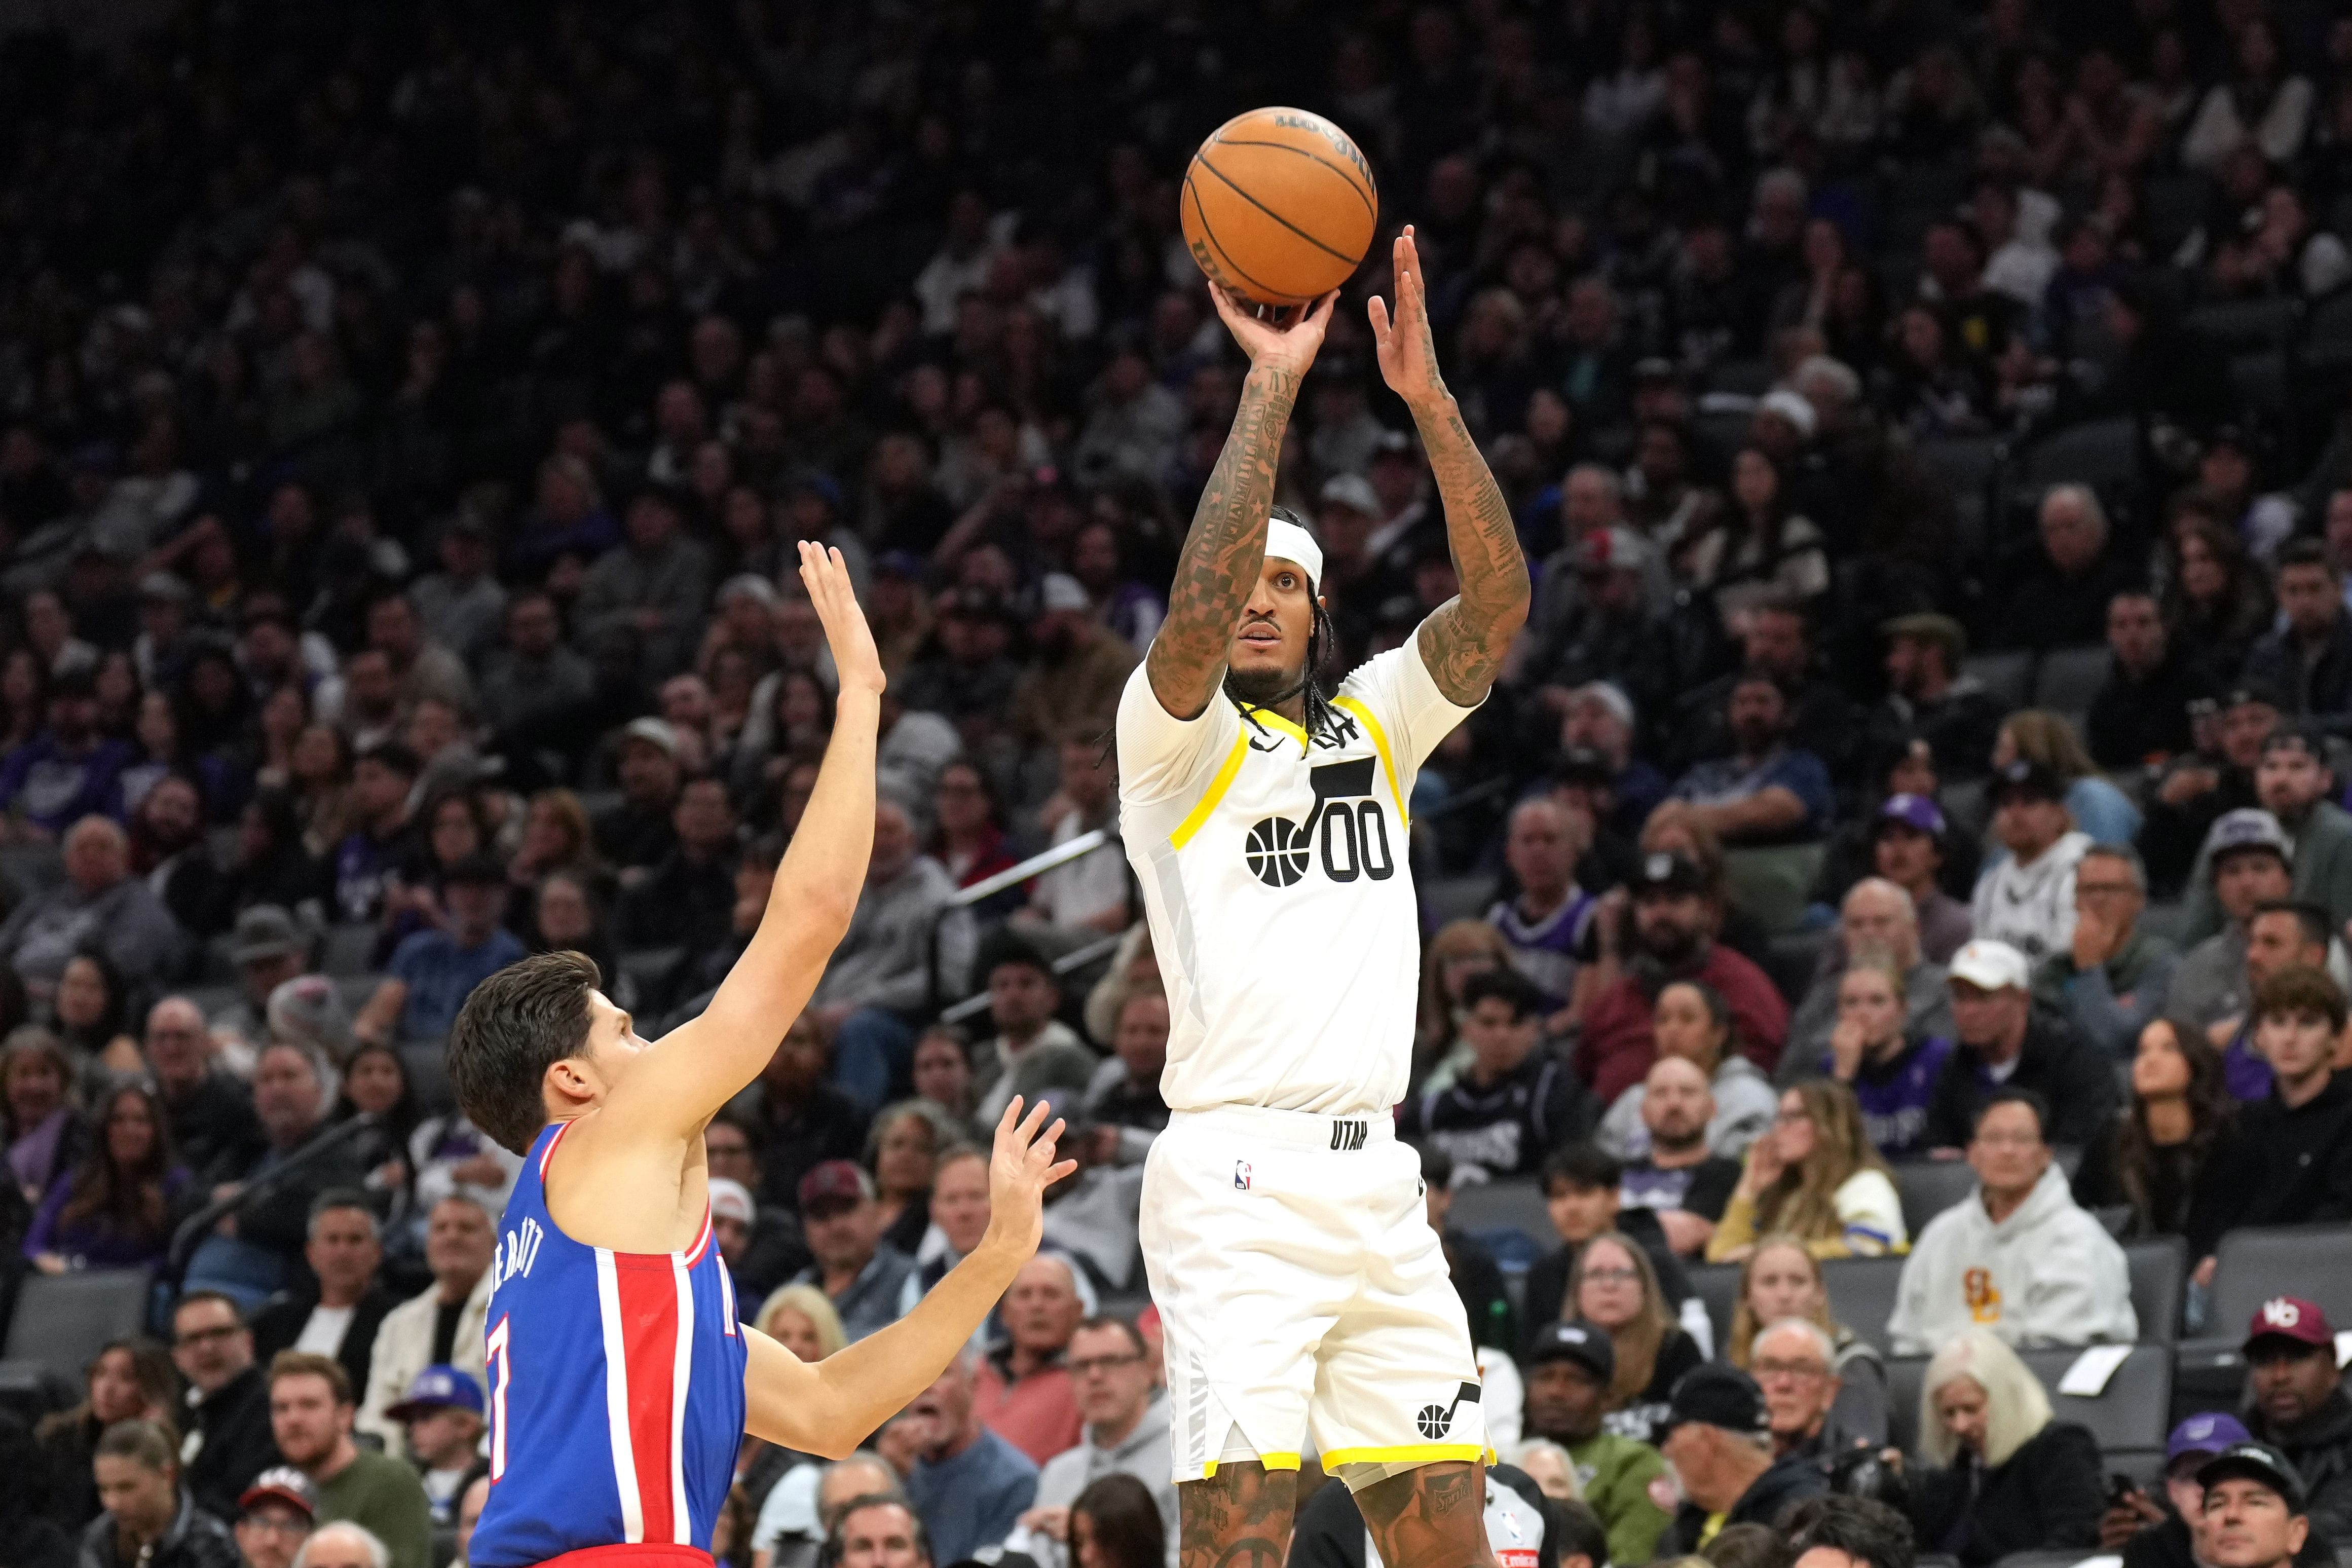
x,y
2289,1318
831,1186
282,1483
1990,965
2248,828
1582,1343
653,732
2207,1433
1060,591
730,1199
1352,490
2247,693
2025,777
1714,1395
438,1387
2256,1461
1668,872
1928,627
1790,407
1609,550
1913,811
266,931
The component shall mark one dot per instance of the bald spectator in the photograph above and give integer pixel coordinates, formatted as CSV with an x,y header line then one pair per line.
x,y
101,907
1549,926
1023,1390
2114,977
2061,599
1681,1179
1876,918
214,1130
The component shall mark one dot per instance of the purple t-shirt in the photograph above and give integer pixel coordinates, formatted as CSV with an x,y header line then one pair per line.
x,y
1895,1097
2244,1073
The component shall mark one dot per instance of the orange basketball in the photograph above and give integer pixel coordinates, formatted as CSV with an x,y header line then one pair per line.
x,y
1278,206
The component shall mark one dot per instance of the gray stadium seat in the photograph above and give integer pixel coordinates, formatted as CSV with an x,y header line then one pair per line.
x,y
2007,678
2158,1267
64,1319
1792,957
1717,1285
2131,1414
1492,1210
1905,1376
348,949
1453,898
428,1063
1863,1294
27,868
1928,1187
2070,677
2313,1262
2101,453
2245,326
2166,919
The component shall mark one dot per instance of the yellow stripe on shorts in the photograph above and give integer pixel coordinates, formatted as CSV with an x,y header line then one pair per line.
x,y
1407,1454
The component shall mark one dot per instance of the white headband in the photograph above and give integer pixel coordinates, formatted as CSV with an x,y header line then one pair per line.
x,y
1288,541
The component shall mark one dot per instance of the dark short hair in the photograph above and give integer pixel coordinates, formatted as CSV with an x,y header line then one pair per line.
x,y
1865,1529
196,1298
2012,1095
2299,988
1747,1545
1582,1167
1112,1320
516,1024
2305,552
1507,986
1578,1531
2318,926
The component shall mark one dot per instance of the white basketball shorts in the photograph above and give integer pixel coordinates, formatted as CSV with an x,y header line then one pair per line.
x,y
1303,1295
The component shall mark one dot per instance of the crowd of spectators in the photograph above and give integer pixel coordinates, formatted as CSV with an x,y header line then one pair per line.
x,y
1928,739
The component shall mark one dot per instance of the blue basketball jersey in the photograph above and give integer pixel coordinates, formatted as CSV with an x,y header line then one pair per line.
x,y
616,1388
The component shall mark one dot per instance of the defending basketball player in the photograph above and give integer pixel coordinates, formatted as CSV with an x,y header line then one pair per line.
x,y
1302,1290
621,1384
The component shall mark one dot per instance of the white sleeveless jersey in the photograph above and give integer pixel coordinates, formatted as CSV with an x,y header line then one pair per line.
x,y
1277,881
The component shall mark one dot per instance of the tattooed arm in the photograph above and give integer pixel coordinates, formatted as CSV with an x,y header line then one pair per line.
x,y
1463,641
1225,549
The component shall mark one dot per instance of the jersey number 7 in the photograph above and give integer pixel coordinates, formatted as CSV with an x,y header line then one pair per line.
x,y
501,1365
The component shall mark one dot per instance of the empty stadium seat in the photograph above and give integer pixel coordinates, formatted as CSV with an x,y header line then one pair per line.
x,y
2007,678
1905,1376
2131,1414
1775,885
2103,453
1928,1187
1497,1212
1445,899
2070,677
2313,1262
1863,1294
348,949
2159,1266
1717,1285
2245,326
64,1319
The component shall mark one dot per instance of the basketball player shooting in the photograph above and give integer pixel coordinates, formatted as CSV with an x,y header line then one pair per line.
x,y
620,1384
1302,1290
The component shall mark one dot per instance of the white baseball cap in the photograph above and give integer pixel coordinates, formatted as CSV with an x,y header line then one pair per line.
x,y
729,1199
1992,966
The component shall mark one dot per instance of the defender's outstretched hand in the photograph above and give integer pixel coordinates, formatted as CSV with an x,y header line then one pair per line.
x,y
1019,1171
826,578
1408,354
1272,343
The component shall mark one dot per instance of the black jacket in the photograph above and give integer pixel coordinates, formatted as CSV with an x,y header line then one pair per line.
x,y
2320,690
2050,1494
1792,1479
234,1443
279,1323
2056,1063
2322,1450
2134,720
682,903
1478,1281
2285,1167
214,1128
196,1540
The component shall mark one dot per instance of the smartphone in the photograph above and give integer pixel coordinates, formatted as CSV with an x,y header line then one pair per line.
x,y
2120,1491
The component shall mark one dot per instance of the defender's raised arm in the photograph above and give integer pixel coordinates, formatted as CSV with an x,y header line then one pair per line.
x,y
1225,549
1464,640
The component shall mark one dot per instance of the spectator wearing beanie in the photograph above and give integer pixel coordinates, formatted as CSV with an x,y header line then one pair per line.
x,y
2294,782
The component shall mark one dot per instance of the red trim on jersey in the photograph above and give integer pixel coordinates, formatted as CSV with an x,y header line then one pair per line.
x,y
549,1152
649,1555
647,1286
701,1240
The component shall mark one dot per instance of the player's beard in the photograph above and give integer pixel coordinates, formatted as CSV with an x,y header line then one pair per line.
x,y
1264,687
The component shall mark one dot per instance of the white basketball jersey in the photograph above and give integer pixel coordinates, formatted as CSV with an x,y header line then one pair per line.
x,y
1278,884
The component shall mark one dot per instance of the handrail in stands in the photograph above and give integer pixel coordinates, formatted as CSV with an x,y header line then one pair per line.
x,y
1013,876
192,1230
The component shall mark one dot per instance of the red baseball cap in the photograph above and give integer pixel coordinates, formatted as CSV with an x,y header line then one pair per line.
x,y
2289,1318
833,1186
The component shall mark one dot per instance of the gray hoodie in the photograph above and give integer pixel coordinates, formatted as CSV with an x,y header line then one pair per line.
x,y
2048,1275
1745,1104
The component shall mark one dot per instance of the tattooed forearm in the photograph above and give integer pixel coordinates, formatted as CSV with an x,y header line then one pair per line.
x,y
1463,641
1434,1516
1225,549
1238,1518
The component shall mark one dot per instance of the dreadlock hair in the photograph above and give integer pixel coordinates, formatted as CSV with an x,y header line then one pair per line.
x,y
1321,640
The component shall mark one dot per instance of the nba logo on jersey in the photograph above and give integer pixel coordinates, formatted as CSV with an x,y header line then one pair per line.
x,y
1241,1175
